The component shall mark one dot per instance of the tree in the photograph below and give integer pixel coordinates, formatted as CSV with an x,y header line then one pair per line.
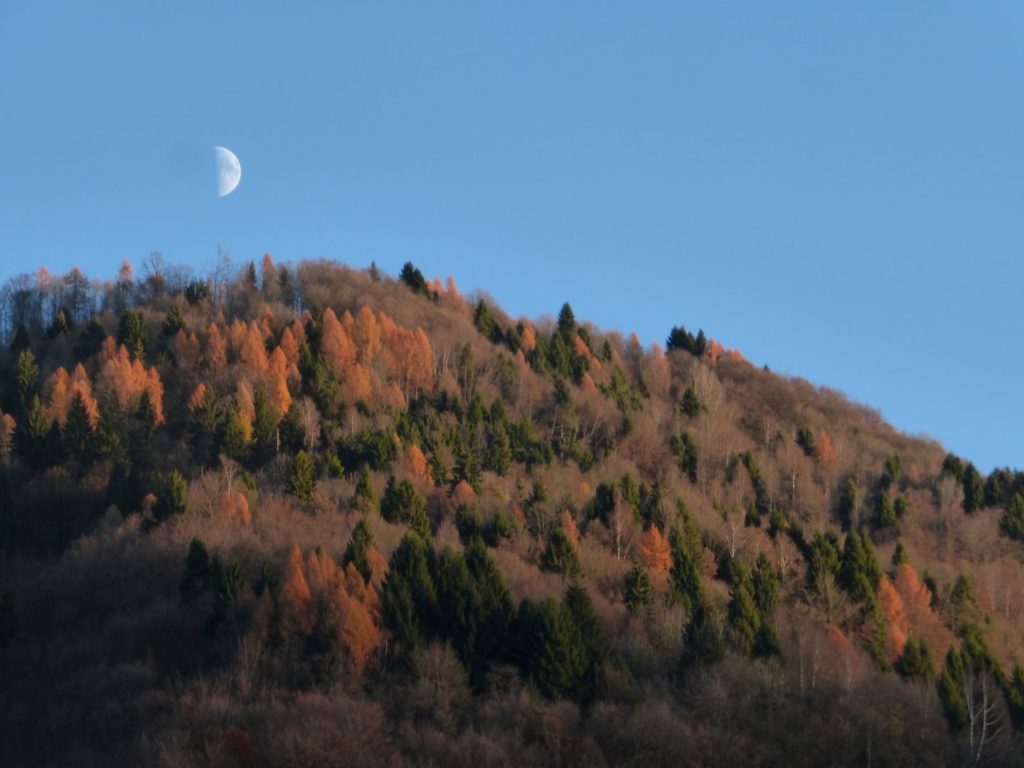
x,y
196,578
26,379
131,334
358,548
365,499
974,489
687,586
76,435
171,500
637,592
566,321
301,479
691,403
414,279
560,555
1012,522
174,322
915,663
409,599
402,503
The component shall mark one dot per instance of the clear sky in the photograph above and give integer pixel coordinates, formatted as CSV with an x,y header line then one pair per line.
x,y
835,190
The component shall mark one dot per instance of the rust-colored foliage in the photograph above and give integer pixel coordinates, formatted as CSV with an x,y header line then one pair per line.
x,y
826,453
7,427
924,623
123,380
655,551
463,494
417,464
235,507
572,532
897,624
216,355
186,350
356,386
346,607
338,347
714,351
289,346
247,346
529,341
295,602
60,390
587,383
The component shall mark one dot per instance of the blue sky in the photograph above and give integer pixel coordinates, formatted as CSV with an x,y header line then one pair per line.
x,y
836,191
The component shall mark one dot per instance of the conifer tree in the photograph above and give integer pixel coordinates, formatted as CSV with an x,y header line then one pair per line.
x,y
358,546
365,499
1012,523
638,592
301,478
196,578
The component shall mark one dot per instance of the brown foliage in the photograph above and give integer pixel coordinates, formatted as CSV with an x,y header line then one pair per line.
x,y
235,507
655,551
826,453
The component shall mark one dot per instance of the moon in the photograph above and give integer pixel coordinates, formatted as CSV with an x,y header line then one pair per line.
x,y
229,171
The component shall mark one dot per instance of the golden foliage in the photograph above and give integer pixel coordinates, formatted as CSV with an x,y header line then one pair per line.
x,y
60,390
123,380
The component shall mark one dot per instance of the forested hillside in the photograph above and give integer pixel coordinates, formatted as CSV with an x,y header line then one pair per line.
x,y
307,515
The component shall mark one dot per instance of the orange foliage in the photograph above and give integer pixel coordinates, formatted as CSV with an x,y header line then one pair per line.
x,y
289,347
655,551
185,348
529,342
124,380
366,333
417,464
347,605
571,531
463,494
245,400
355,386
453,289
338,347
279,395
917,602
826,453
197,397
216,356
248,347
848,662
60,390
897,624
714,351
295,600
235,506
7,427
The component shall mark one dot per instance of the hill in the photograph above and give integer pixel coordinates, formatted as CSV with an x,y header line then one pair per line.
x,y
306,514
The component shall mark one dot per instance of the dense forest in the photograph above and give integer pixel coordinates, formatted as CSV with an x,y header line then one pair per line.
x,y
308,515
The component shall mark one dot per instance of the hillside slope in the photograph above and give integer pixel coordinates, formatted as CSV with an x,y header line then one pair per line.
x,y
307,514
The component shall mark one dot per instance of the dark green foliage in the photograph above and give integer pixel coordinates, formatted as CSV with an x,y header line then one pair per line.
x,y
37,439
197,291
566,321
26,379
171,500
764,582
301,478
752,519
823,558
205,425
291,430
560,554
685,450
356,552
847,506
485,322
915,663
951,693
403,504
174,321
680,338
265,425
365,499
637,591
899,555
744,619
375,448
131,334
590,636
61,326
974,489
705,639
498,457
233,440
409,598
891,473
196,578
1012,522
76,436
885,513
953,466
860,572
414,279
691,404
687,551
805,439
227,581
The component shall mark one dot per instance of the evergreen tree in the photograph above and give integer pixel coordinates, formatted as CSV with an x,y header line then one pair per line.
x,y
131,334
76,435
590,637
638,592
847,506
974,489
26,380
265,427
227,581
566,322
401,502
687,552
915,663
409,598
205,426
173,322
196,578
499,449
365,499
358,546
171,501
495,610
1012,523
301,478
37,440
560,554
744,619
691,403
899,555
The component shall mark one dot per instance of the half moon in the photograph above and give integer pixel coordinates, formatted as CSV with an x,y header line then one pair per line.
x,y
229,171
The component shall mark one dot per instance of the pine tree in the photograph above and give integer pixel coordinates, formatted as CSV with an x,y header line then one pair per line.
x,y
1012,523
559,555
974,489
356,551
365,499
848,503
174,322
26,379
196,578
638,592
409,598
171,501
301,479
76,434
686,563
915,663
691,403
265,424
566,322
131,334
402,503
